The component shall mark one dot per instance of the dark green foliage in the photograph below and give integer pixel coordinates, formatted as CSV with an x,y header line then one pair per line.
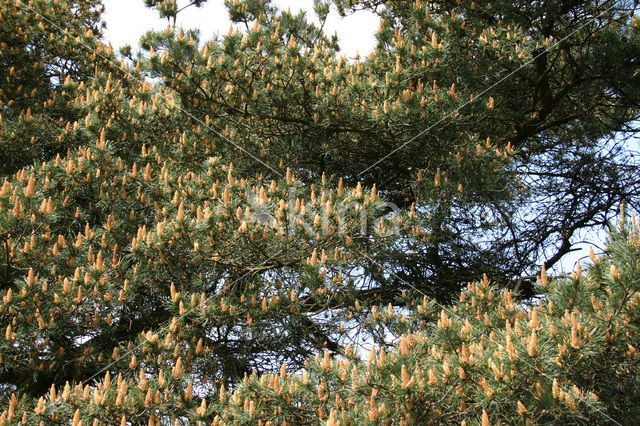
x,y
196,217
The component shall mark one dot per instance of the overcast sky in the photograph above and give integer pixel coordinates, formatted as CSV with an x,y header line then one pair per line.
x,y
127,20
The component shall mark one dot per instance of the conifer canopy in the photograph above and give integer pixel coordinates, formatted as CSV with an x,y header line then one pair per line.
x,y
258,229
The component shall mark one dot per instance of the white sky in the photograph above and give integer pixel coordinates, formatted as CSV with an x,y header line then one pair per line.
x,y
127,20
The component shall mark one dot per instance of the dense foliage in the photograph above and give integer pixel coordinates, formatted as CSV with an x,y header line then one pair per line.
x,y
571,358
179,222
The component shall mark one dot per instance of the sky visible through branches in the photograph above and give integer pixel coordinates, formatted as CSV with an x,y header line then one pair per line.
x,y
128,20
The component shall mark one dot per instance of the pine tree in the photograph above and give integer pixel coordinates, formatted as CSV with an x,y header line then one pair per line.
x,y
570,358
520,117
45,46
178,224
